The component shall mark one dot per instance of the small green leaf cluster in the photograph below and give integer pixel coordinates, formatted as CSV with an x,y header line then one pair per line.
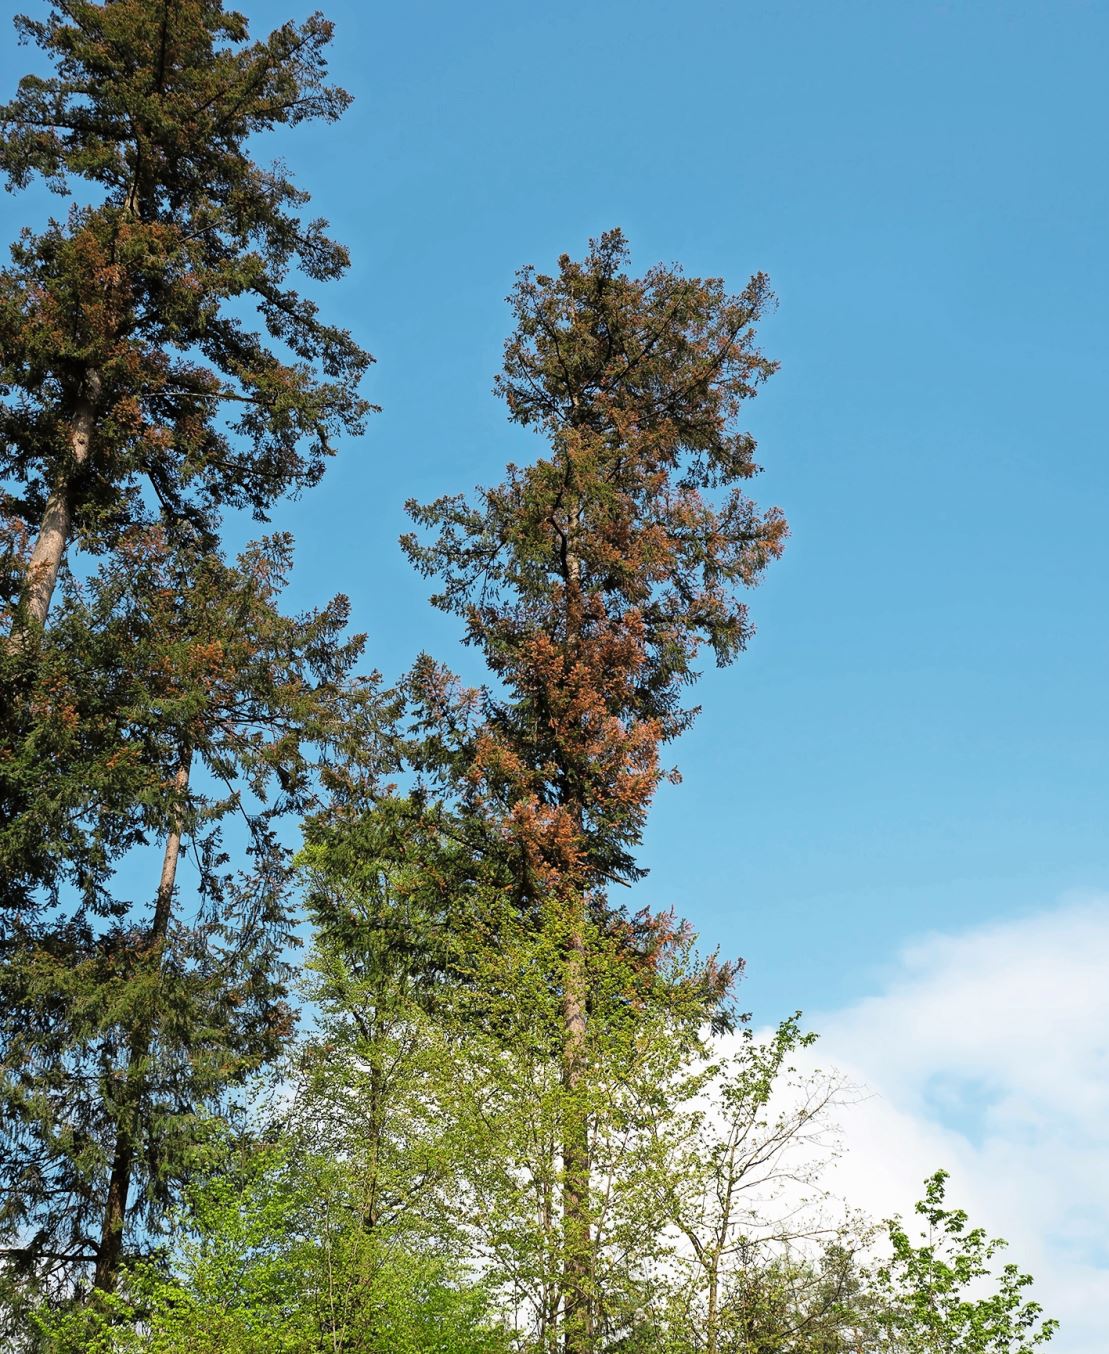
x,y
944,1296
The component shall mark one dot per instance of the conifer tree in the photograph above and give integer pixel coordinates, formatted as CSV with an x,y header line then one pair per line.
x,y
590,579
133,381
157,367
124,1020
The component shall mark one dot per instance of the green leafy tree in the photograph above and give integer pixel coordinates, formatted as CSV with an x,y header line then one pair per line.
x,y
271,1256
125,328
739,1154
642,1040
945,1296
792,1301
435,1071
377,1078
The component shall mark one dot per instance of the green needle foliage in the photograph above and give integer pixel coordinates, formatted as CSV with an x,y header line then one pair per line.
x,y
125,1019
158,366
125,328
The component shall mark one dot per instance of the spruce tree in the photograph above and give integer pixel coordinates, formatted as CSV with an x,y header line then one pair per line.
x,y
158,366
590,580
124,1020
133,380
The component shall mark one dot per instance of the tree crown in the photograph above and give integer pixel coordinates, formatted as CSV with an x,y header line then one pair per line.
x,y
136,307
591,578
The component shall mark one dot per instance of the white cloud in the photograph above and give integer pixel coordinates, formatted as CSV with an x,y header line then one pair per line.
x,y
987,1053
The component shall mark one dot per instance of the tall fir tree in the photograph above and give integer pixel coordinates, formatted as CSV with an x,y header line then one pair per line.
x,y
124,1026
589,580
133,386
157,367
125,336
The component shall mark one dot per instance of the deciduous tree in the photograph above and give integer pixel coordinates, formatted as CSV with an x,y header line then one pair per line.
x,y
946,1295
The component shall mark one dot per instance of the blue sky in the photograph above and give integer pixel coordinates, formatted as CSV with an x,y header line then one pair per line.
x,y
917,740
917,737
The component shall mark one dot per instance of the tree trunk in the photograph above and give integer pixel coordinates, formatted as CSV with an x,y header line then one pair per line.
x,y
109,1253
577,1238
577,1233
57,518
551,1285
712,1323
